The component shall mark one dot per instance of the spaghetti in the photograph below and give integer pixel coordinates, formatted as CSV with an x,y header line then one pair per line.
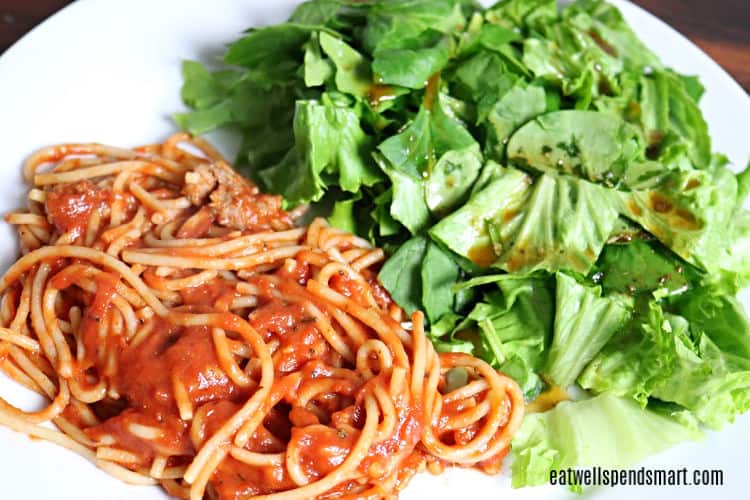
x,y
187,333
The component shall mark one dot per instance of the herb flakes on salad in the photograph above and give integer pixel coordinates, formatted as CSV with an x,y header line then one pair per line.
x,y
545,186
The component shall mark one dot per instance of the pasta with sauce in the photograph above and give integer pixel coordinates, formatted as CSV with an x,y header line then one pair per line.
x,y
188,333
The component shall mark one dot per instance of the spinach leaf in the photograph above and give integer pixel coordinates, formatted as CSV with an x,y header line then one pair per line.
x,y
641,267
439,273
402,274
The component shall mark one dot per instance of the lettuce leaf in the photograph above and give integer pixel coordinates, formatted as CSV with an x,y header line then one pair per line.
x,y
696,214
512,109
317,68
514,322
465,231
610,30
638,357
232,99
605,431
731,265
580,63
328,141
317,12
563,227
390,22
272,54
432,165
712,379
672,121
696,357
343,215
584,322
353,75
707,383
595,146
408,204
421,276
431,134
410,62
519,225
451,178
521,14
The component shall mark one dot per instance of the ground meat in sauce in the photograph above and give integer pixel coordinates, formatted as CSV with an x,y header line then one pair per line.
x,y
236,203
299,339
70,206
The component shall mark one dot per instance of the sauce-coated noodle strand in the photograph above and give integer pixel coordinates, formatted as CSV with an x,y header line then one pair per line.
x,y
185,333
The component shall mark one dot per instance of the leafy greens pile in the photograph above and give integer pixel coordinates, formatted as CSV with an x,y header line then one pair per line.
x,y
546,188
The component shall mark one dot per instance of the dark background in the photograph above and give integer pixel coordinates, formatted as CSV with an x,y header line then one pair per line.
x,y
719,27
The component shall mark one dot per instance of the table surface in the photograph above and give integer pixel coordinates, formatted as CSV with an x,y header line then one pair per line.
x,y
719,27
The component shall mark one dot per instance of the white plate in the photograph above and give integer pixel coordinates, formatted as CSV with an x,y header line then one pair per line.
x,y
109,72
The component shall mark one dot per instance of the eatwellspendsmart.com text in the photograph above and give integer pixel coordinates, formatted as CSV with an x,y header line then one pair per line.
x,y
599,476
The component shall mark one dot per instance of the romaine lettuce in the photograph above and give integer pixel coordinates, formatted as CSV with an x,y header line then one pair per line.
x,y
605,431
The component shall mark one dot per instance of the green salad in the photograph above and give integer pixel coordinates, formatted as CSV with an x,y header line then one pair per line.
x,y
545,187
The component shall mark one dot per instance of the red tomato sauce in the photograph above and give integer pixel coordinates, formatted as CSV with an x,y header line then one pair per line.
x,y
70,208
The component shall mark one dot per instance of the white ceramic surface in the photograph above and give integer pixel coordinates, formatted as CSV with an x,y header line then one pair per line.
x,y
108,71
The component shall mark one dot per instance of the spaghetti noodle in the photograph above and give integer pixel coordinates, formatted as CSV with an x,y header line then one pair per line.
x,y
187,333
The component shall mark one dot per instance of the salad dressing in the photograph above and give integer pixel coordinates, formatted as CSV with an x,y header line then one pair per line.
x,y
482,255
548,399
